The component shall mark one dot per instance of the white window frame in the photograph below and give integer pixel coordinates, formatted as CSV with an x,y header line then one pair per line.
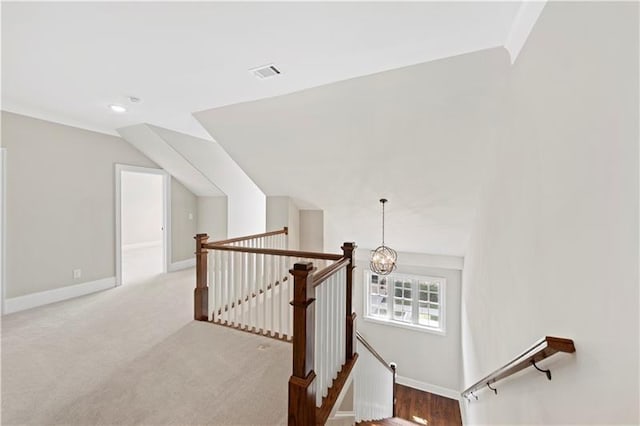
x,y
415,295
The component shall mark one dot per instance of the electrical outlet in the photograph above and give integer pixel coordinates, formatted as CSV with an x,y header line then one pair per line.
x,y
77,273
190,216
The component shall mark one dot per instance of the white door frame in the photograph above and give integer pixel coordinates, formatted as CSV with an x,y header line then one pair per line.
x,y
3,227
166,235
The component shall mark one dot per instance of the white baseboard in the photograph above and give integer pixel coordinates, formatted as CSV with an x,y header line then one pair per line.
x,y
33,300
148,244
182,264
427,387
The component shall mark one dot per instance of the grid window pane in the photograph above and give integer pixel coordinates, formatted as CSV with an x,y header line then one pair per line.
x,y
407,295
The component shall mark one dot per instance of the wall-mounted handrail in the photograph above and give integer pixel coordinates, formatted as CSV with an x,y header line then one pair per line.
x,y
284,230
542,349
373,351
375,396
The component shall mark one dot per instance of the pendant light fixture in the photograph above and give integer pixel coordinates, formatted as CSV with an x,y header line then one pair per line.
x,y
383,259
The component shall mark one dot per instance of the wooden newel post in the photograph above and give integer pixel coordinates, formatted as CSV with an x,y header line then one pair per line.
x,y
302,397
348,251
201,293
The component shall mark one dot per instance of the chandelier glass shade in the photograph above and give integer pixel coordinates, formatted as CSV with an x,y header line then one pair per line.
x,y
383,259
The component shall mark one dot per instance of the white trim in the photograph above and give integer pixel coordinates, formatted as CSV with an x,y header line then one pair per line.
x,y
405,325
428,387
54,117
166,236
522,25
414,325
182,264
418,260
3,227
33,300
343,394
148,244
463,410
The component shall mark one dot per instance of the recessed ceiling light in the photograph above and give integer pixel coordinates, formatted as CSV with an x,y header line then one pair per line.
x,y
117,108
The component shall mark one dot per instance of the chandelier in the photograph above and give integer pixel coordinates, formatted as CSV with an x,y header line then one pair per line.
x,y
383,259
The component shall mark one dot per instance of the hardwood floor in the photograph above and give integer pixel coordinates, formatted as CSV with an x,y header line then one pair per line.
x,y
436,409
389,422
415,405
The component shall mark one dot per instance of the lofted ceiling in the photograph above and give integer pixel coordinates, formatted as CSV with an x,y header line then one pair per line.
x,y
366,105
66,61
420,136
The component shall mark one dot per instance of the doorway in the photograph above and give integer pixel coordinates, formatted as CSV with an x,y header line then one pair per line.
x,y
141,223
3,227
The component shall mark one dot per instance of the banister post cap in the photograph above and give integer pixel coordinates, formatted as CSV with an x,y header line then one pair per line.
x,y
302,268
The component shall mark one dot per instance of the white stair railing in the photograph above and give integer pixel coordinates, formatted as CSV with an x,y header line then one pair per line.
x,y
374,384
252,291
330,332
244,283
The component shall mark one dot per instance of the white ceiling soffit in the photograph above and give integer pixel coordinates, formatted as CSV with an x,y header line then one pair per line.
x,y
66,61
418,136
246,203
151,144
523,23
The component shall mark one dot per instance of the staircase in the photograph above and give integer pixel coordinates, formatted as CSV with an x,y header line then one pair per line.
x,y
255,284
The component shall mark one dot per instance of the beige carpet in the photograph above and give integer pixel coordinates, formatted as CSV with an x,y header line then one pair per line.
x,y
132,355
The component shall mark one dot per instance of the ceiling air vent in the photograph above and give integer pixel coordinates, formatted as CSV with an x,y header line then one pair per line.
x,y
266,71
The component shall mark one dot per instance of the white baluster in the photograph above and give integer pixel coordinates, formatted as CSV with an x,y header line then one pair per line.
x,y
251,272
259,280
245,287
274,278
217,285
343,316
225,287
263,285
319,343
284,282
232,288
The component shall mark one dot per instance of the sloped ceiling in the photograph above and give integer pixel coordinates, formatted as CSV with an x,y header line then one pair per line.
x,y
66,61
419,136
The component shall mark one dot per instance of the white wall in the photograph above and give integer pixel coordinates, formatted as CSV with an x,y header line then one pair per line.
x,y
184,219
60,203
61,193
312,232
431,361
212,217
246,203
281,212
142,208
555,246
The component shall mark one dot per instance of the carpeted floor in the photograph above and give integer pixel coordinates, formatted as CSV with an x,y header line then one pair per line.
x,y
133,355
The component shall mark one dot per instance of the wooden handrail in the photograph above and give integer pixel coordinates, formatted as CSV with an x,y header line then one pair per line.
x,y
390,366
542,349
284,230
275,252
373,351
302,398
324,274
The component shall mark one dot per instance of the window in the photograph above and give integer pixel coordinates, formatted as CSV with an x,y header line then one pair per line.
x,y
406,300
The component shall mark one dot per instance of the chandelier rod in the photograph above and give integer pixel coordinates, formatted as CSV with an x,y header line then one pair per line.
x,y
383,200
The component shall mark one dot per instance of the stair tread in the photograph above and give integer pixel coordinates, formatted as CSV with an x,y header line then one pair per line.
x,y
393,421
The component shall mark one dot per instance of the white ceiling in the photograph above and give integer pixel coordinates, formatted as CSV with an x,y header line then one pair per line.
x,y
66,61
398,134
420,136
